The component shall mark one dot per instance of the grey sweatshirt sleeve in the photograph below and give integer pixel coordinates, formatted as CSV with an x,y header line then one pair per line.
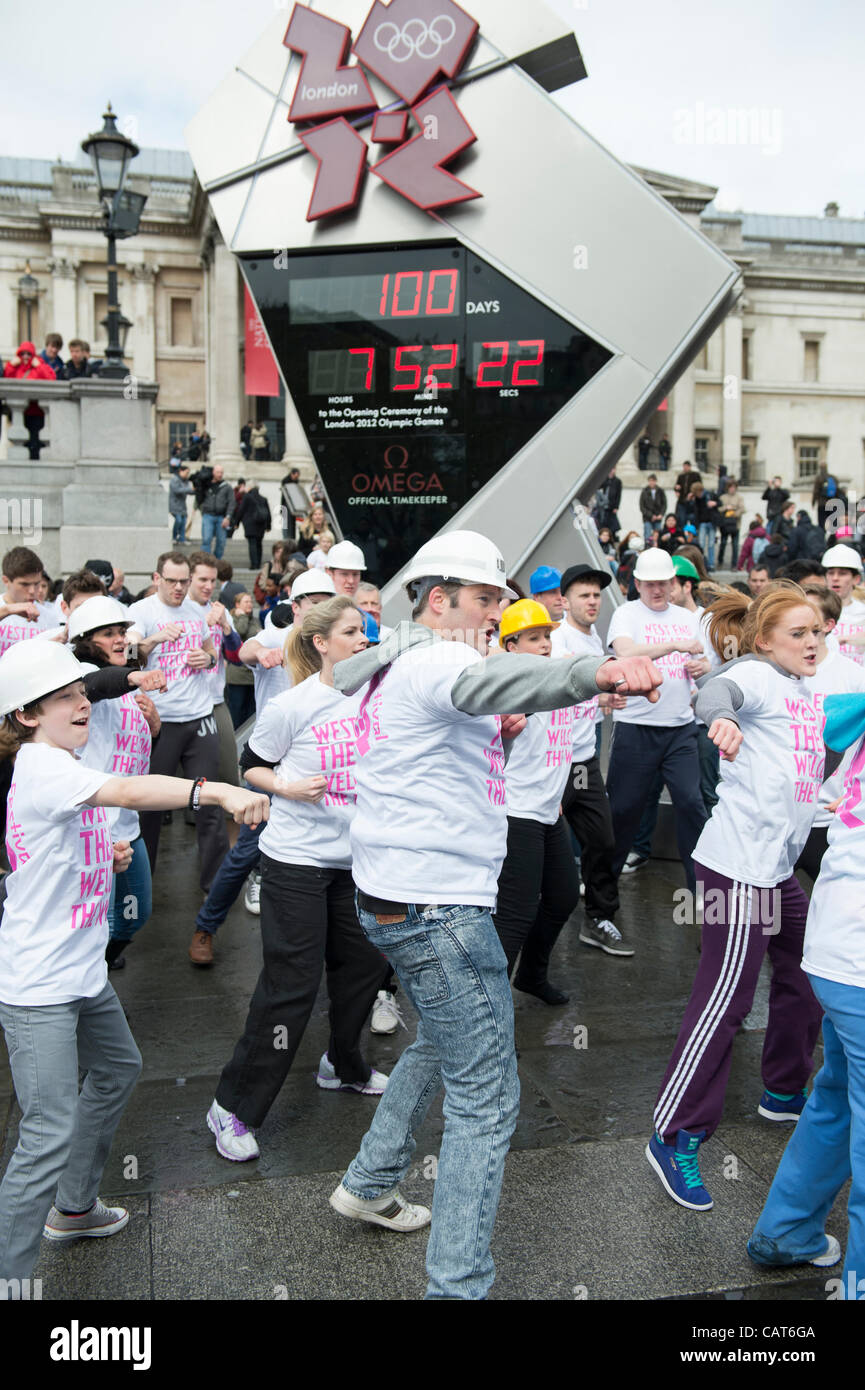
x,y
524,684
720,698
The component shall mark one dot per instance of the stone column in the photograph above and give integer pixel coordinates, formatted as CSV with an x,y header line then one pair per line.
x,y
226,326
64,294
143,315
682,429
731,398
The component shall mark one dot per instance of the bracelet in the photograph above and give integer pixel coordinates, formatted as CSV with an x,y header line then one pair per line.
x,y
194,802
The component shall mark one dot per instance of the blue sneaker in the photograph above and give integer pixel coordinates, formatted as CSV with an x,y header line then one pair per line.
x,y
779,1107
679,1169
766,1252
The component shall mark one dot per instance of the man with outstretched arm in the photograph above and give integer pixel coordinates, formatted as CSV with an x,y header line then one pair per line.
x,y
427,845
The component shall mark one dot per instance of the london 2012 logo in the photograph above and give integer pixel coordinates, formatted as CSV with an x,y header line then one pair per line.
x,y
414,47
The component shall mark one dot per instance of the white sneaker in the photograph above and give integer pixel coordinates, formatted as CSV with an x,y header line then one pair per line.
x,y
252,896
633,862
391,1210
386,1016
582,889
234,1139
328,1080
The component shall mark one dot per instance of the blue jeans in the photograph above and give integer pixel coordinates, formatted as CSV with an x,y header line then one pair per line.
x,y
827,1144
231,875
63,1137
212,534
707,542
131,901
649,529
452,967
178,534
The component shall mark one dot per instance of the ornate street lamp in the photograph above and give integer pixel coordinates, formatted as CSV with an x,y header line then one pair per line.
x,y
111,153
28,293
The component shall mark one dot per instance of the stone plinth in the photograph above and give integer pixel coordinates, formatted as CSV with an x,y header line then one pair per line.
x,y
95,490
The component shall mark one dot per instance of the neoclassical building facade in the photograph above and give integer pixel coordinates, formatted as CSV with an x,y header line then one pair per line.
x,y
779,388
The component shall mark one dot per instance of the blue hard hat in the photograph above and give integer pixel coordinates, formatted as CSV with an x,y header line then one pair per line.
x,y
544,578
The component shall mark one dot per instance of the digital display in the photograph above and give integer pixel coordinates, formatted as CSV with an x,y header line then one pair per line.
x,y
418,372
400,294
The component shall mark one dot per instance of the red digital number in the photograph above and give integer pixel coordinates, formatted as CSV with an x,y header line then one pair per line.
x,y
413,367
528,362
433,377
417,276
481,379
453,277
385,286
370,354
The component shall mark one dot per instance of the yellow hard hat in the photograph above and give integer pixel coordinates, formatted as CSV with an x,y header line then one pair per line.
x,y
523,615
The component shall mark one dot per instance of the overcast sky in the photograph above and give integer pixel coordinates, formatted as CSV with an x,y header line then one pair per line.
x,y
666,81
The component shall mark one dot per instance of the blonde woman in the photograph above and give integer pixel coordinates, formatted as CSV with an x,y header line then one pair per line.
x,y
302,751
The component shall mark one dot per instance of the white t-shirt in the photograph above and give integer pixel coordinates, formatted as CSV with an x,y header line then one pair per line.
x,y
119,743
836,675
54,928
189,694
431,824
835,931
570,641
539,765
642,625
311,731
268,683
852,620
17,628
216,677
768,794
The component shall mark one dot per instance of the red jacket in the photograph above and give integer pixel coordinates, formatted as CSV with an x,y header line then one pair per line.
x,y
37,369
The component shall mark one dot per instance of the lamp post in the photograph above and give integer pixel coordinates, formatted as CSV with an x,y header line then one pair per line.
x,y
28,293
111,153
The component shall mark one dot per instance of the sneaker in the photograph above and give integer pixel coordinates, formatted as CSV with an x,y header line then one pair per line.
x,y
234,1139
679,1169
201,948
582,889
766,1252
780,1107
607,937
391,1210
328,1080
252,896
98,1221
386,1016
634,862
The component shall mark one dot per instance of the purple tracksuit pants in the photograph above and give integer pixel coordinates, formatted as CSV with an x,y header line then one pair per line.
x,y
741,923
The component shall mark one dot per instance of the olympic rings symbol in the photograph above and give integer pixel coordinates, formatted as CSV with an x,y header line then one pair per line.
x,y
416,39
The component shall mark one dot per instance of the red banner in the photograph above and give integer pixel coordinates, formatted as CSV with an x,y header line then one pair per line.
x,y
262,373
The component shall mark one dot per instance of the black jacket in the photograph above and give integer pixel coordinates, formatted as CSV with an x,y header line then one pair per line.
x,y
650,507
775,498
253,515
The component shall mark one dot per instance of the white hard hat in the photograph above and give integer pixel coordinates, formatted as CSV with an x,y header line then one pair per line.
x,y
345,555
842,557
461,555
312,582
654,564
95,613
34,668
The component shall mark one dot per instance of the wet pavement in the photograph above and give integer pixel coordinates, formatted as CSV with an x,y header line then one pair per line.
x,y
582,1215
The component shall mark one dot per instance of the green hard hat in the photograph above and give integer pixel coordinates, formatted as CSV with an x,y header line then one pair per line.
x,y
684,568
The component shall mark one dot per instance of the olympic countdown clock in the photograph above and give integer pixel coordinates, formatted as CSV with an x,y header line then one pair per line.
x,y
415,371
473,305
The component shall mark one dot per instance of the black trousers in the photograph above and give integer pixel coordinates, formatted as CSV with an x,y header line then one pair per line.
x,y
308,921
587,811
812,855
637,754
194,747
253,544
538,890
